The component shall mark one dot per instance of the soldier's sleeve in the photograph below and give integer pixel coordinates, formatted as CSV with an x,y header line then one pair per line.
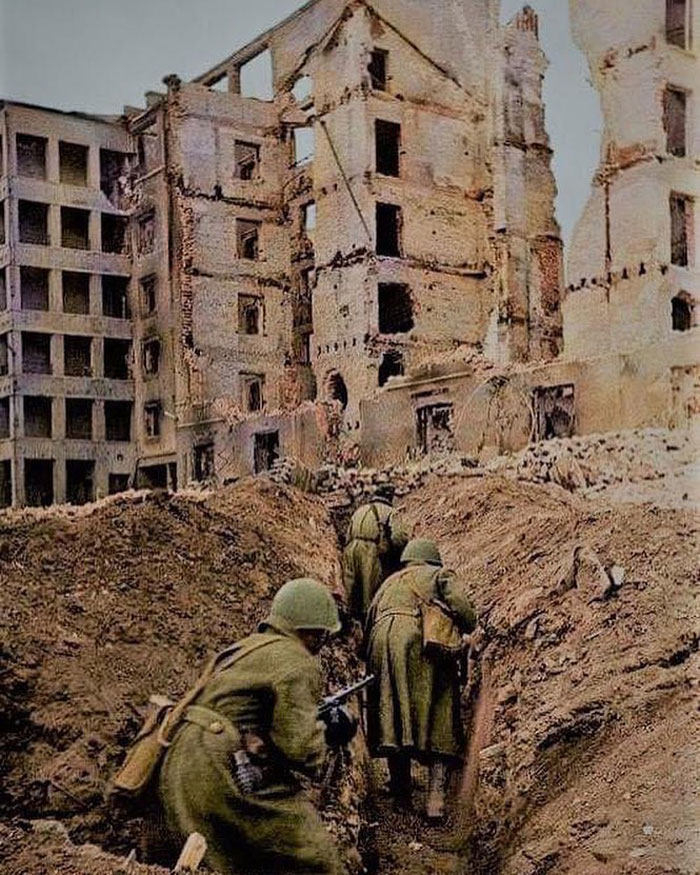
x,y
399,532
296,730
453,593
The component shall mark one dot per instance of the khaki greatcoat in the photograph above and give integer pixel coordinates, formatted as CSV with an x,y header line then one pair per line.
x,y
272,689
414,708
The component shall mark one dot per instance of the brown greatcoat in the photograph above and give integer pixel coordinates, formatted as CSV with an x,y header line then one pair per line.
x,y
375,540
271,688
414,706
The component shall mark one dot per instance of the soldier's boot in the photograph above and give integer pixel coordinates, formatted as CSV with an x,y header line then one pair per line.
x,y
400,778
437,787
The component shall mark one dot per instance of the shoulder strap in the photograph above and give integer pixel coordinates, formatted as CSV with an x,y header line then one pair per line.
x,y
222,661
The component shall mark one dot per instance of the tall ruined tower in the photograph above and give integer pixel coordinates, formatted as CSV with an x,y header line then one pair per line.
x,y
632,271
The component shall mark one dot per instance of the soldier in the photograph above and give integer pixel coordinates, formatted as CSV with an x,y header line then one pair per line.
x,y
376,537
260,708
413,709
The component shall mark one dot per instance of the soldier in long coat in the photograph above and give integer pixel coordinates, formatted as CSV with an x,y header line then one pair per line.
x,y
375,539
414,708
263,700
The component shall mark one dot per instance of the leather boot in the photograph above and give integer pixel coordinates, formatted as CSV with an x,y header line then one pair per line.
x,y
437,786
400,777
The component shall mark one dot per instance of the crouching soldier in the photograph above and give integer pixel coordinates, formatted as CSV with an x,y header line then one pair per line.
x,y
376,537
413,642
229,770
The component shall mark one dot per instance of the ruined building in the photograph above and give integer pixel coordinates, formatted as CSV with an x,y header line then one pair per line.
x,y
193,289
631,303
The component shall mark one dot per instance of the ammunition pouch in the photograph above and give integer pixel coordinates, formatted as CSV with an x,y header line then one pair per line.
x,y
146,753
441,637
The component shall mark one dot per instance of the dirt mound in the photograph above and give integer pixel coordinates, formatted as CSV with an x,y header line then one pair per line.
x,y
584,737
101,607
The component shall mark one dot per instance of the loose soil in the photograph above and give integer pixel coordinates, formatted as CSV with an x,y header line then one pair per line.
x,y
581,710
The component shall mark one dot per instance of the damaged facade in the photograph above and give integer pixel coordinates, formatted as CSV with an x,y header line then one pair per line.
x,y
360,264
226,277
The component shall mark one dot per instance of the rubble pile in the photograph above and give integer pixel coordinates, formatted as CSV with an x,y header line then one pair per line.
x,y
597,462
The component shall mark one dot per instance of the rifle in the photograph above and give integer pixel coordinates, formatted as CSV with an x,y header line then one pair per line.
x,y
341,725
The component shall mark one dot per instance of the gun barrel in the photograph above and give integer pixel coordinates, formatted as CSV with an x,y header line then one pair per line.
x,y
338,698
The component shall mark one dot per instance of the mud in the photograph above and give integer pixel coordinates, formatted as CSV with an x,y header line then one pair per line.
x,y
581,709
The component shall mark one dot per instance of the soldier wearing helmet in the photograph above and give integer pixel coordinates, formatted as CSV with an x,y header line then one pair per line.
x,y
259,707
376,536
413,710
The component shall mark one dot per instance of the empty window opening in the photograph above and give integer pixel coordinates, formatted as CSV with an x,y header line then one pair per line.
x,y
204,468
555,412
3,239
38,416
4,356
304,145
79,419
392,365
3,289
253,392
147,233
115,171
118,421
151,419
221,84
34,288
115,297
80,481
33,223
115,234
77,356
378,65
151,356
31,156
435,428
303,315
682,312
304,349
675,102
248,239
303,90
256,77
152,477
250,314
395,309
117,357
308,217
36,353
38,482
681,229
118,483
148,150
75,228
4,418
388,147
149,294
76,292
5,483
73,163
388,230
336,389
266,450
677,23
247,157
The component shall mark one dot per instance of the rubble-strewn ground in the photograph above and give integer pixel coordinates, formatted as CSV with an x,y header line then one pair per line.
x,y
584,726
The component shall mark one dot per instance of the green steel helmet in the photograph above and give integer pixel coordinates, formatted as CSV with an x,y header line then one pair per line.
x,y
421,550
304,604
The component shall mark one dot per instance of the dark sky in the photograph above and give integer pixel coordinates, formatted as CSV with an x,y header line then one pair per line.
x,y
97,55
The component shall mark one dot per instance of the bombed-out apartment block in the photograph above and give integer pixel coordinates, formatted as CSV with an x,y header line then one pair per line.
x,y
340,243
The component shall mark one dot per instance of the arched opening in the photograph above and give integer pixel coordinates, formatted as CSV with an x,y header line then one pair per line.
x,y
336,389
392,366
682,312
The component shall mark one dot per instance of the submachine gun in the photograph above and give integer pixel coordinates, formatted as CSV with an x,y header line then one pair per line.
x,y
341,723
